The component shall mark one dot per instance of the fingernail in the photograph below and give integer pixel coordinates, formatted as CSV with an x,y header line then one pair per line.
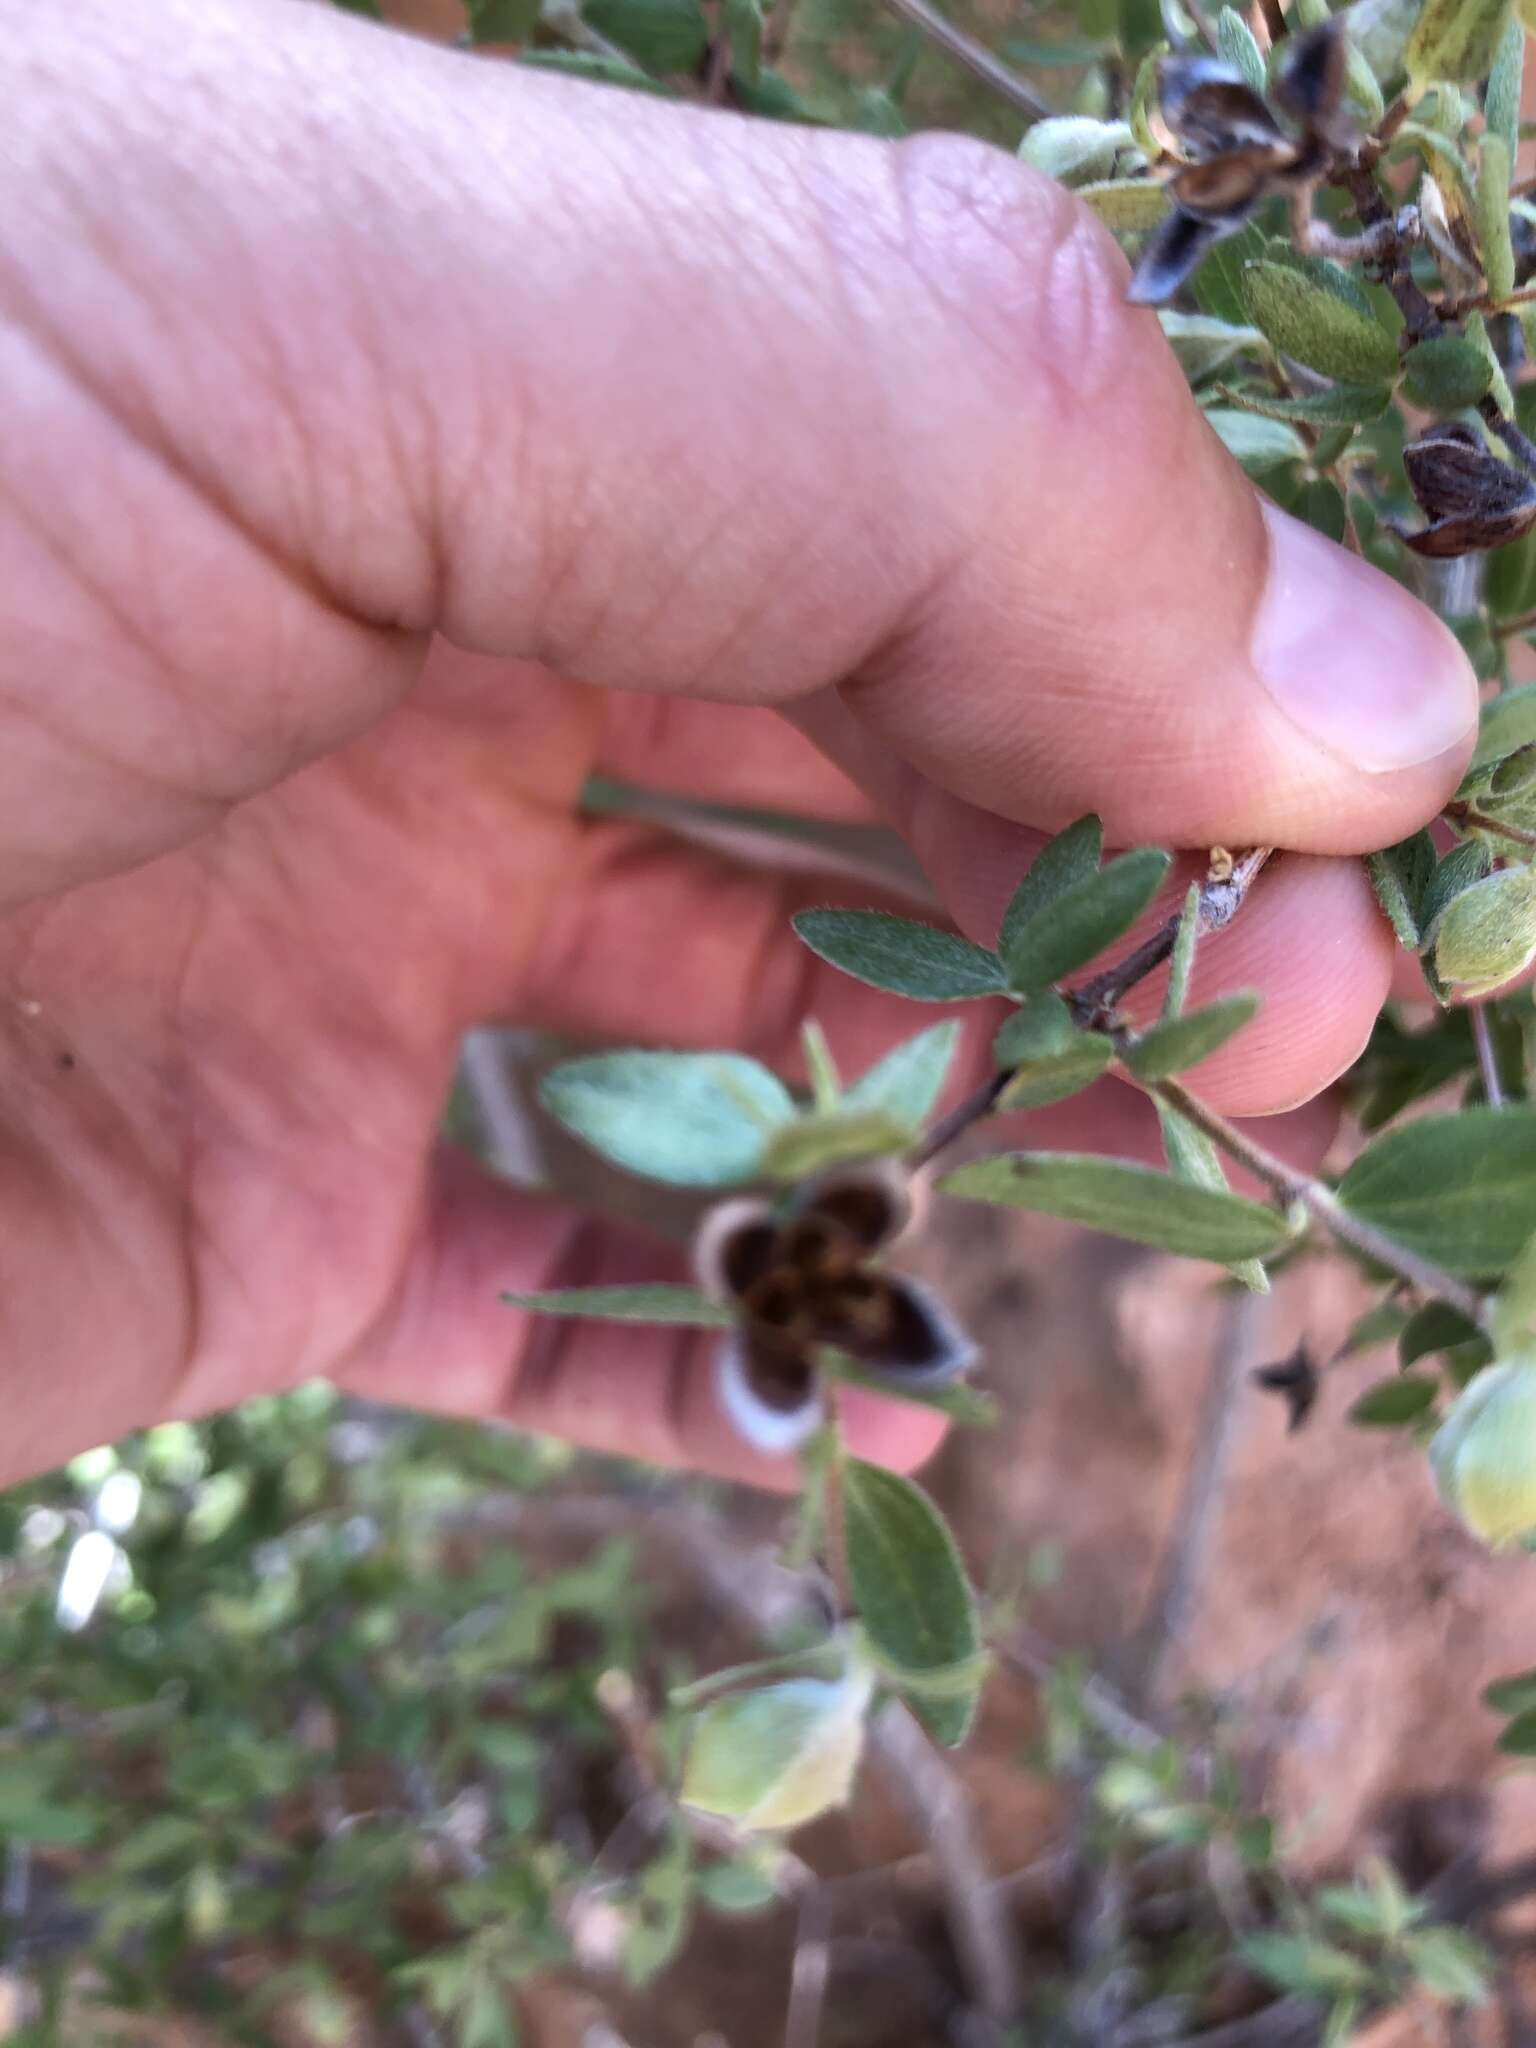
x,y
1352,659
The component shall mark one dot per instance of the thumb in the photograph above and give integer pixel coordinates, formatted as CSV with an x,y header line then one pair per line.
x,y
379,339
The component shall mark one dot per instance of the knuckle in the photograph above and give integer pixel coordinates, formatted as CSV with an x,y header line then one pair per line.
x,y
1021,261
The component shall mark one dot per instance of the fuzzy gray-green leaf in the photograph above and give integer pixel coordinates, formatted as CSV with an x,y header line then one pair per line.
x,y
1320,322
1236,45
1191,1156
1400,874
1494,166
1127,206
1070,857
1455,40
1461,867
1259,444
1459,1189
909,1080
1501,103
1053,1077
1177,1043
1392,1403
1126,1200
897,953
910,1588
1446,374
1342,405
1076,925
696,1119
1508,723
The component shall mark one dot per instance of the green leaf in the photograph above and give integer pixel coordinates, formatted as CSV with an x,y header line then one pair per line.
x,y
1455,40
1257,443
1458,1189
1400,874
735,1888
1075,149
1501,103
1192,1157
967,1407
647,1303
1493,175
1077,924
501,21
1450,1964
1487,934
1513,1317
1203,345
1316,314
1181,961
595,68
1181,1042
1053,1078
1519,1738
1391,1403
1126,1200
908,959
1144,92
1512,1696
1446,374
1379,30
1383,1324
696,1119
825,1137
1461,867
1344,405
1508,723
50,1825
1072,856
1302,1963
778,1756
1128,206
909,1080
1236,46
913,1598
1037,1030
772,97
667,36
1218,283
1437,1328
820,1067
744,25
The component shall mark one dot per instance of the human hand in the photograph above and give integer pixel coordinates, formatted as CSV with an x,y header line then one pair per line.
x,y
321,343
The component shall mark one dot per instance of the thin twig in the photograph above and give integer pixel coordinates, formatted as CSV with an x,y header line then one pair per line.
x,y
1321,1203
1468,818
1222,895
1036,1660
1487,1057
1520,445
976,57
810,1972
1177,1596
922,1782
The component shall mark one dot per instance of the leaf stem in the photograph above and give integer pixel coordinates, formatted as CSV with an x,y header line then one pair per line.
x,y
976,57
1222,895
1320,1202
1467,817
1487,1056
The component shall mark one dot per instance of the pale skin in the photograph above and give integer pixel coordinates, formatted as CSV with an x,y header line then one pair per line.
x,y
388,440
